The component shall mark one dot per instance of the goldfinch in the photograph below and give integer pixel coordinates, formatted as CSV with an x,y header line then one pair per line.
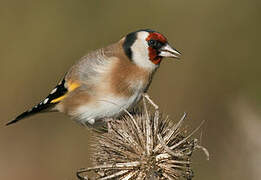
x,y
106,81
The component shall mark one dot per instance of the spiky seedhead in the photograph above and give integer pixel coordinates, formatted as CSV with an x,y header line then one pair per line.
x,y
143,146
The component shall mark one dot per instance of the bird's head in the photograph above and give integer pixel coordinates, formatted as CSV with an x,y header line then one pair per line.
x,y
146,48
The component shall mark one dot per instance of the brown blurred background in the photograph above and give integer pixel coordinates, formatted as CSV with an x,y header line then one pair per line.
x,y
217,80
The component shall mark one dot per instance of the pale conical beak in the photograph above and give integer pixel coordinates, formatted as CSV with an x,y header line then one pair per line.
x,y
168,51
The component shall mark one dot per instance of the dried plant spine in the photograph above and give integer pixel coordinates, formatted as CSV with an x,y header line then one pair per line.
x,y
143,146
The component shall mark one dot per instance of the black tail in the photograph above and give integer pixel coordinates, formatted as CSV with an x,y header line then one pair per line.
x,y
59,91
41,107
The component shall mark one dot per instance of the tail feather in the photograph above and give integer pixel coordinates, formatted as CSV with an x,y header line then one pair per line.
x,y
41,107
53,98
21,116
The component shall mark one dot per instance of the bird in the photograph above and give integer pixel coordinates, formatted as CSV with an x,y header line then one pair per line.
x,y
109,80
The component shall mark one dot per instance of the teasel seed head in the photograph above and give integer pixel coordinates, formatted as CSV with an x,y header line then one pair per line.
x,y
143,146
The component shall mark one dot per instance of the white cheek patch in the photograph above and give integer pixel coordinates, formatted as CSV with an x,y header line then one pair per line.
x,y
140,52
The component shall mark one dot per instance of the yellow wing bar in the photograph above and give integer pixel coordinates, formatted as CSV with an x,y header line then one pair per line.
x,y
71,86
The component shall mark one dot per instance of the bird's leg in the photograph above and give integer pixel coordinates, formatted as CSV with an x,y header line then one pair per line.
x,y
146,96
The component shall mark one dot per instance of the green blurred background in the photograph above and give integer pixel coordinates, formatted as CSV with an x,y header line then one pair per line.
x,y
217,80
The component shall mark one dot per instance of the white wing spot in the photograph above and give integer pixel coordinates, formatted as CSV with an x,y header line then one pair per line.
x,y
46,100
53,91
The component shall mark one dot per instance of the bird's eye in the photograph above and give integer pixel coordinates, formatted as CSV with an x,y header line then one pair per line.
x,y
151,42
154,44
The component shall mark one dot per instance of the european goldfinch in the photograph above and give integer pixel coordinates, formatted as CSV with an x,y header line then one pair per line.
x,y
109,80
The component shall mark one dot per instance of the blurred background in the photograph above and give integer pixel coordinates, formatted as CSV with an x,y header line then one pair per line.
x,y
217,80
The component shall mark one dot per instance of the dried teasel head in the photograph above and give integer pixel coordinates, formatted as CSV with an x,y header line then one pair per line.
x,y
143,146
